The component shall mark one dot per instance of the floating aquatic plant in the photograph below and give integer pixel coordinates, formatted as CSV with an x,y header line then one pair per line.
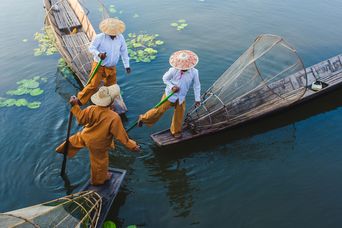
x,y
25,86
46,43
180,24
111,224
141,46
19,103
112,9
25,40
63,67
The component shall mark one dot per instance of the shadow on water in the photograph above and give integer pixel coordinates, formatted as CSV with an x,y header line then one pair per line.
x,y
329,101
66,84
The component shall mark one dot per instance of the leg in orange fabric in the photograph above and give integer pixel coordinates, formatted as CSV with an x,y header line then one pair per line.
x,y
110,76
92,87
154,114
177,119
75,144
98,165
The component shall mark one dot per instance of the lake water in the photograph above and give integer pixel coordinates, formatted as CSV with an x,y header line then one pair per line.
x,y
283,171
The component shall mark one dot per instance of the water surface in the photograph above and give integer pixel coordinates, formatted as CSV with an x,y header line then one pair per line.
x,y
279,172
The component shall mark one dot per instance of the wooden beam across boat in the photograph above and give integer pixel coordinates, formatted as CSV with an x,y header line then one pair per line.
x,y
328,71
107,191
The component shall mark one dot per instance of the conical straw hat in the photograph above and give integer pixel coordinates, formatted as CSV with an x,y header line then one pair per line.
x,y
105,95
112,26
114,91
183,60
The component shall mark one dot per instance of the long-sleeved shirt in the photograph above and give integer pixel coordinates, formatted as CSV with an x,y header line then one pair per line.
x,y
101,125
114,48
174,77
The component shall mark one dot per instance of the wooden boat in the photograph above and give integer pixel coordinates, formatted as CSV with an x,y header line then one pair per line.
x,y
87,208
107,191
72,34
264,99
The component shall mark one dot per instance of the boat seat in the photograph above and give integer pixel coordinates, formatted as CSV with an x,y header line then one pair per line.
x,y
77,46
64,15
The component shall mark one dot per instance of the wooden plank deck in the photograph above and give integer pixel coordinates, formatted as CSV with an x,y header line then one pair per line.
x,y
329,71
64,15
107,191
77,46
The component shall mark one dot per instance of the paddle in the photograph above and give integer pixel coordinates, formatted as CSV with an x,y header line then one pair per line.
x,y
65,153
94,71
156,106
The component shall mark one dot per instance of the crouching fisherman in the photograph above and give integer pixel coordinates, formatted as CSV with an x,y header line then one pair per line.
x,y
178,79
101,125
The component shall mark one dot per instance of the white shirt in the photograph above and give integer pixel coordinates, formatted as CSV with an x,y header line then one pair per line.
x,y
113,48
173,77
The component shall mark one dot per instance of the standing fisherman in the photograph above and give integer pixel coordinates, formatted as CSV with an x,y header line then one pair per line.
x,y
178,79
101,125
107,46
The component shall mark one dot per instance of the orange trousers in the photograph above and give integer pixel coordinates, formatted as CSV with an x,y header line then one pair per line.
x,y
153,115
99,158
105,74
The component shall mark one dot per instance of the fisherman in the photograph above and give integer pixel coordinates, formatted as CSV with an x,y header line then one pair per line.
x,y
101,125
108,46
178,79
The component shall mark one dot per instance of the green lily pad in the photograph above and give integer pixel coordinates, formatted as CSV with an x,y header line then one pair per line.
x,y
159,42
141,47
9,102
44,79
21,102
181,21
19,91
132,226
28,83
174,24
46,42
25,40
109,224
112,9
36,92
34,105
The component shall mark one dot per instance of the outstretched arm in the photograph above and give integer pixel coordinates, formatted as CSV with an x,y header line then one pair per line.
x,y
120,134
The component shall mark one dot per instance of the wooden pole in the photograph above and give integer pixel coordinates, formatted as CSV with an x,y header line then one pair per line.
x,y
65,153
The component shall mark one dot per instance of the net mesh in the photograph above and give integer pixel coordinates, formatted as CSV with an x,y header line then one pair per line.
x,y
78,210
268,75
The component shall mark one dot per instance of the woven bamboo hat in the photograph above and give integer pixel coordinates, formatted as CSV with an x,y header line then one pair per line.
x,y
112,26
183,60
105,95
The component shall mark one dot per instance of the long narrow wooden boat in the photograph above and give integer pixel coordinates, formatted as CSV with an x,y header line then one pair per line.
x,y
73,32
257,103
87,208
107,191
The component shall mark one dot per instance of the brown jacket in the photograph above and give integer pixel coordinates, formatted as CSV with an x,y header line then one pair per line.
x,y
101,125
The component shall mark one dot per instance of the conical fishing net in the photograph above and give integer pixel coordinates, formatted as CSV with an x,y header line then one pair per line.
x,y
78,210
269,75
